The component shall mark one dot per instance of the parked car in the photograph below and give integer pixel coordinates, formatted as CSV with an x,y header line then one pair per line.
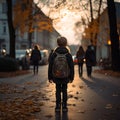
x,y
75,59
19,54
23,58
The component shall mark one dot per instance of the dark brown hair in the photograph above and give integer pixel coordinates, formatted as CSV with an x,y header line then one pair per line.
x,y
81,50
62,41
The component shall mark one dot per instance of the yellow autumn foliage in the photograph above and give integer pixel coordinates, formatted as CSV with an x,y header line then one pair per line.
x,y
26,21
91,30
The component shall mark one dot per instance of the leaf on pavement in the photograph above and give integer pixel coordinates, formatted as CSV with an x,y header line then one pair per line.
x,y
115,95
81,111
81,87
73,85
49,116
108,106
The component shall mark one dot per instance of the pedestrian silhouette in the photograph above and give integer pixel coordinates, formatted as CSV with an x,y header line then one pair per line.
x,y
61,82
26,61
80,58
90,59
51,52
35,58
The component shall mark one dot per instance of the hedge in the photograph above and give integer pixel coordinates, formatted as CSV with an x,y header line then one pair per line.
x,y
8,64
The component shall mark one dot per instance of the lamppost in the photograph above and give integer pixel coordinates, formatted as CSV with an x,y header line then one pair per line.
x,y
109,50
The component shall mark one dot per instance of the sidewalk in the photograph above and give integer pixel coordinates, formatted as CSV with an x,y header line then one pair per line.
x,y
31,97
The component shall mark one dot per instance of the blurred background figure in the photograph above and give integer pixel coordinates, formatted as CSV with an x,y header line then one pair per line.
x,y
26,61
51,52
90,59
35,58
80,58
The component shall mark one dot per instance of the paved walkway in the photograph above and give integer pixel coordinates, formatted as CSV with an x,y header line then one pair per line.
x,y
30,97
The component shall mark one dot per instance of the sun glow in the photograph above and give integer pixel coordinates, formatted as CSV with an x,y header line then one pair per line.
x,y
65,24
65,18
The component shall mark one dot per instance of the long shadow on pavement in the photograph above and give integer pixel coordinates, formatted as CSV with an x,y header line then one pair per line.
x,y
61,116
102,86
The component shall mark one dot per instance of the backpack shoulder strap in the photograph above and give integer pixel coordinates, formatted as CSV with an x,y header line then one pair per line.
x,y
61,54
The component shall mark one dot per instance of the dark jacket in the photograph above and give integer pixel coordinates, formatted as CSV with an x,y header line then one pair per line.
x,y
90,57
61,50
80,56
35,55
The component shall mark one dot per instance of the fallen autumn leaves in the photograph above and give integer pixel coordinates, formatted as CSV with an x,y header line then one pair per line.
x,y
18,103
13,74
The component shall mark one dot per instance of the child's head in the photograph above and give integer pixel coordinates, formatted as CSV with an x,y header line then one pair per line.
x,y
62,41
36,47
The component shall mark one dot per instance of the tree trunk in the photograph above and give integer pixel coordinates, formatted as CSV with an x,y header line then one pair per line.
x,y
91,15
30,39
113,35
91,10
99,9
11,28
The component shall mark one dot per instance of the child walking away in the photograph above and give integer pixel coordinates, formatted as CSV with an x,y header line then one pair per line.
x,y
61,72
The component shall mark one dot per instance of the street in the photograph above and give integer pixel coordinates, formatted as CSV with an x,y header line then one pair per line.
x,y
32,97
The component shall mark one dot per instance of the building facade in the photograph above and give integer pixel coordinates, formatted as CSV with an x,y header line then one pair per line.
x,y
46,39
4,33
103,42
